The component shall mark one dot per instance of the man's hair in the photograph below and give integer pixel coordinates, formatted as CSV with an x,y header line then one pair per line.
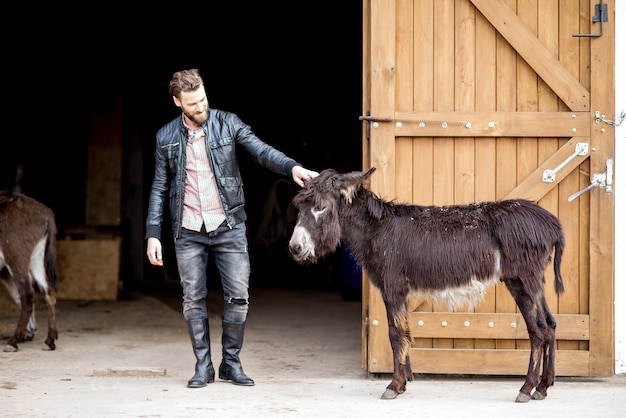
x,y
185,80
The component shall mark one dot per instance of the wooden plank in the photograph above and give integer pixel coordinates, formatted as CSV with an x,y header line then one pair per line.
x,y
602,206
485,155
381,73
130,372
526,101
464,98
380,356
548,101
424,101
570,214
505,150
550,69
443,92
423,171
366,105
404,87
491,325
365,164
443,56
492,124
583,60
492,362
533,187
423,55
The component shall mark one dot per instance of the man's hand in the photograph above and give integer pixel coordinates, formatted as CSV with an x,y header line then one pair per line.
x,y
300,174
155,251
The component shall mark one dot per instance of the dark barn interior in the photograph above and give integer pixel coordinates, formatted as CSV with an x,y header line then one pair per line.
x,y
293,75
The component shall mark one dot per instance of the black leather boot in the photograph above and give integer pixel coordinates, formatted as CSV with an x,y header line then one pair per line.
x,y
232,340
199,333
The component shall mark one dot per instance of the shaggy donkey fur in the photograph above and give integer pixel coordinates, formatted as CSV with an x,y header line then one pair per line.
x,y
28,262
451,253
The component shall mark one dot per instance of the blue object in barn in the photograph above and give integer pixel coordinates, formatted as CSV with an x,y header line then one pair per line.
x,y
351,275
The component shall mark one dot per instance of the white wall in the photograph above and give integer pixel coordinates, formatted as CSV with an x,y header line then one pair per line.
x,y
620,189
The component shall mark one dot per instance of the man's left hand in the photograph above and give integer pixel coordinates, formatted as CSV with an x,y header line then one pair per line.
x,y
301,174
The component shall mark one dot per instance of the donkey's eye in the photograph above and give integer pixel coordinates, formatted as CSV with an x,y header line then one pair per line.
x,y
317,211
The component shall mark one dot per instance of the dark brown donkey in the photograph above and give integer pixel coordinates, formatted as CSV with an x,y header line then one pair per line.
x,y
451,253
28,262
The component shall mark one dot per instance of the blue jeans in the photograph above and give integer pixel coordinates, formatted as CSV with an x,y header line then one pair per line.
x,y
229,249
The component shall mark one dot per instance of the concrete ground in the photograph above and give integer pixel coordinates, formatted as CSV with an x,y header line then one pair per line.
x,y
132,358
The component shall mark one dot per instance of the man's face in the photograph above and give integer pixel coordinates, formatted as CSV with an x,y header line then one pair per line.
x,y
195,105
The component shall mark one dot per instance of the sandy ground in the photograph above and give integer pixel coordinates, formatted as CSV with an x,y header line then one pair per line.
x,y
132,358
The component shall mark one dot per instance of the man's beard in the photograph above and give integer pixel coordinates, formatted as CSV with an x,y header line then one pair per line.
x,y
198,119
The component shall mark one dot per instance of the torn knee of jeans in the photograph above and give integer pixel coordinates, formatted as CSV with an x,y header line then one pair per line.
x,y
237,301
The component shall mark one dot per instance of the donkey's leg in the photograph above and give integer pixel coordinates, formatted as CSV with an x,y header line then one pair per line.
x,y
549,354
536,325
398,331
51,300
31,326
27,298
40,276
408,372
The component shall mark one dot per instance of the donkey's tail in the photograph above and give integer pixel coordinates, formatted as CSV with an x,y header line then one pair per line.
x,y
559,245
51,254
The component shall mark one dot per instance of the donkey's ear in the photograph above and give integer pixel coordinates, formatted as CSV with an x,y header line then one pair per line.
x,y
347,184
353,178
368,173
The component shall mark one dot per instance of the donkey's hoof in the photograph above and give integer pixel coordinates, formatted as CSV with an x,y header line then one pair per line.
x,y
389,394
9,348
49,345
522,398
538,396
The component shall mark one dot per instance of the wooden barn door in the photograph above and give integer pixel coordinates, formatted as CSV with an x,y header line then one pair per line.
x,y
475,100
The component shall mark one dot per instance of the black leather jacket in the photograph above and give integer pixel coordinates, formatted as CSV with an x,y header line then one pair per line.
x,y
224,132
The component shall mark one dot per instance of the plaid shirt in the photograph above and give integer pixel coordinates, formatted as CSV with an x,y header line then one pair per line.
x,y
202,202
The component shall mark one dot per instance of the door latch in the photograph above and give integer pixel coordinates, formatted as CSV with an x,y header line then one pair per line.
x,y
602,15
604,180
616,122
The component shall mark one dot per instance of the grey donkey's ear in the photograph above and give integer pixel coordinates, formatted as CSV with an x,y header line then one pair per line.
x,y
347,184
368,173
353,178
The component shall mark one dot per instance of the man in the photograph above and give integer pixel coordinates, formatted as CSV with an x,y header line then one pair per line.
x,y
197,174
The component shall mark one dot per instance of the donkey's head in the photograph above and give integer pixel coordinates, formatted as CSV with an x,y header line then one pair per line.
x,y
318,229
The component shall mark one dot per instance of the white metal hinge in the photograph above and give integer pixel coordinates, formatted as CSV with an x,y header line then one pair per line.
x,y
582,148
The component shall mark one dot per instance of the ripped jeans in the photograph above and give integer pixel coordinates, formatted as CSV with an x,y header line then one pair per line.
x,y
229,249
